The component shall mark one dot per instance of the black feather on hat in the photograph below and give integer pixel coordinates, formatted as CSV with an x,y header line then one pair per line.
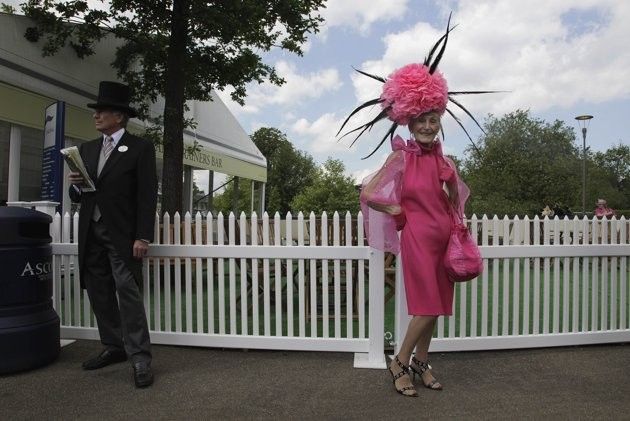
x,y
429,66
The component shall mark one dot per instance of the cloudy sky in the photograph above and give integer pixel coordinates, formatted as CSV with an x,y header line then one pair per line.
x,y
559,59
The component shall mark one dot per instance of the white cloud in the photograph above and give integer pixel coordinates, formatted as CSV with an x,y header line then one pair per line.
x,y
531,49
298,88
201,178
448,149
375,164
320,139
360,14
234,107
282,31
321,134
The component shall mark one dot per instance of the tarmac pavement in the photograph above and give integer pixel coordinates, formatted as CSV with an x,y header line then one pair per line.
x,y
590,382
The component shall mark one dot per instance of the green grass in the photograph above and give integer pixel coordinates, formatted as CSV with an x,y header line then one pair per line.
x,y
504,285
250,323
553,287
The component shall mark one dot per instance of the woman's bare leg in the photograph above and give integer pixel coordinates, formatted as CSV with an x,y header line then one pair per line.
x,y
416,333
415,330
422,353
422,345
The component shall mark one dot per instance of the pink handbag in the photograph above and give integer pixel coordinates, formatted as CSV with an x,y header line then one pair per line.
x,y
462,260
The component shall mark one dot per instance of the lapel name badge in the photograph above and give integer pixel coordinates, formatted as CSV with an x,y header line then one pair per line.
x,y
123,148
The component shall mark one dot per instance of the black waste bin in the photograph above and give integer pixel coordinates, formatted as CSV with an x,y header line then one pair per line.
x,y
29,326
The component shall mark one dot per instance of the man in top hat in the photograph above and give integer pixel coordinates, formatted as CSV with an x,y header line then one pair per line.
x,y
116,225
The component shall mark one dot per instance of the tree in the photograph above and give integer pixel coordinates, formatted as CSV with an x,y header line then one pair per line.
x,y
522,165
289,171
223,202
615,182
332,191
7,8
180,49
199,198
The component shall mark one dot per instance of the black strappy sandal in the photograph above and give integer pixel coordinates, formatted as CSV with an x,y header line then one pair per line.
x,y
404,371
419,368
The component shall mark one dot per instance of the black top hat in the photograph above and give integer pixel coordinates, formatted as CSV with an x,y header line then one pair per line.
x,y
114,95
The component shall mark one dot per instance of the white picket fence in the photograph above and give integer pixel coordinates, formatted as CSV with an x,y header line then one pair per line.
x,y
237,283
546,282
301,284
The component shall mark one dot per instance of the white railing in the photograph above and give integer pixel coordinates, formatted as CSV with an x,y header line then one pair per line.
x,y
290,284
301,284
546,283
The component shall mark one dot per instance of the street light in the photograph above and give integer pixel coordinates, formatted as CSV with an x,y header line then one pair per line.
x,y
583,121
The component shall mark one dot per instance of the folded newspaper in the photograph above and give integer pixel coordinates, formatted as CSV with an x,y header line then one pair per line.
x,y
73,158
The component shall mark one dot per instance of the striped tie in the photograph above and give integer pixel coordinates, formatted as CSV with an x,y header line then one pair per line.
x,y
106,150
108,146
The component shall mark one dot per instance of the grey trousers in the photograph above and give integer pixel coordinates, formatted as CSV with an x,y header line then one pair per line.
x,y
122,322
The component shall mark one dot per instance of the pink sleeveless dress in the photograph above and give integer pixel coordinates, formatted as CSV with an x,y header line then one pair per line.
x,y
413,177
425,234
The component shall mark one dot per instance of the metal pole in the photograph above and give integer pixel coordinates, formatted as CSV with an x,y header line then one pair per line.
x,y
235,195
583,121
15,146
583,171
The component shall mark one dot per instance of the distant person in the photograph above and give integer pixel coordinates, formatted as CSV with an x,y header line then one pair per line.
x,y
548,212
562,211
116,225
602,210
417,191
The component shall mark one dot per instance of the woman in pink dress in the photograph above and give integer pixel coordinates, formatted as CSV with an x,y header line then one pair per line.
x,y
424,217
415,191
602,210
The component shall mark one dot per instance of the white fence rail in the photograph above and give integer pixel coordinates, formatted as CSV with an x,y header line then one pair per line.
x,y
223,282
546,283
312,284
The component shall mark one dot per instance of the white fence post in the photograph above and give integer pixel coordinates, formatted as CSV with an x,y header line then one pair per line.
x,y
375,357
401,317
531,261
56,237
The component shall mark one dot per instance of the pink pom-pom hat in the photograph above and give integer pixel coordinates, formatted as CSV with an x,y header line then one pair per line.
x,y
411,91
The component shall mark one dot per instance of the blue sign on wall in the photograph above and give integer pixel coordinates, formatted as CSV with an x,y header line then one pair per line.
x,y
52,162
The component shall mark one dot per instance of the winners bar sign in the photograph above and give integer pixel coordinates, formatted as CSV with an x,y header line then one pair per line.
x,y
198,157
203,158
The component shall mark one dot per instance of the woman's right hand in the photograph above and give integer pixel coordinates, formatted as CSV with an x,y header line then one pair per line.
x,y
390,209
75,178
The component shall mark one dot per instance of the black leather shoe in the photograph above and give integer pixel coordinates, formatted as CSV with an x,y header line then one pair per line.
x,y
142,375
105,358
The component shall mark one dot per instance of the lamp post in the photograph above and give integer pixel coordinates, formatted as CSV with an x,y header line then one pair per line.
x,y
583,121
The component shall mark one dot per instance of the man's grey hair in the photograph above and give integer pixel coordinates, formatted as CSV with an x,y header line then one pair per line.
x,y
125,118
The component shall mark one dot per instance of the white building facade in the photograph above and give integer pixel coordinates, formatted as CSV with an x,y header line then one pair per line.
x,y
30,82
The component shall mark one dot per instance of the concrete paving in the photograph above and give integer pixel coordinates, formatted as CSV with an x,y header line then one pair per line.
x,y
196,383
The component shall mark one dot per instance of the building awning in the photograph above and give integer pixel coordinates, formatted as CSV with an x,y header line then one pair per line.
x,y
30,82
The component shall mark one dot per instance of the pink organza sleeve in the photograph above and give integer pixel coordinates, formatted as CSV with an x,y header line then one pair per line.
x,y
458,190
384,187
